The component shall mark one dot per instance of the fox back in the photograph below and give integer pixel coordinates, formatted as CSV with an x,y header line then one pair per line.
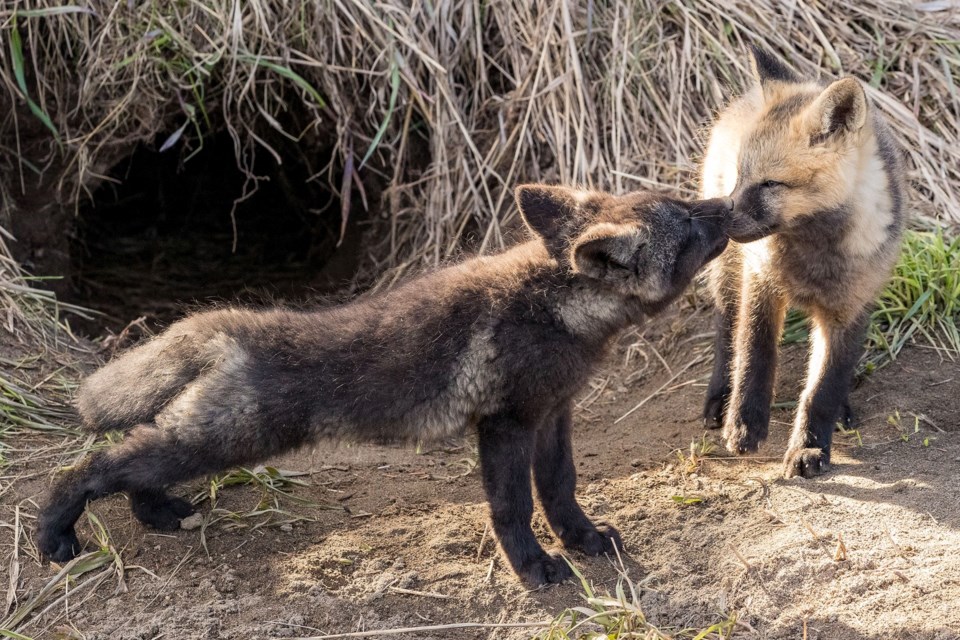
x,y
520,330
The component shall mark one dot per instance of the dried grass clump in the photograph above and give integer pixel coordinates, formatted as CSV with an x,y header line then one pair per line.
x,y
450,104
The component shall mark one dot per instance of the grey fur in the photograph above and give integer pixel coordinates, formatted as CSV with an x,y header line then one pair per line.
x,y
499,343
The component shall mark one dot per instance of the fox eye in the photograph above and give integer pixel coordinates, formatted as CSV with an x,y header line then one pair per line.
x,y
770,184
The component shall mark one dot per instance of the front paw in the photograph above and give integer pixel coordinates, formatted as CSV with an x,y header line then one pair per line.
x,y
807,463
594,541
747,428
58,546
547,568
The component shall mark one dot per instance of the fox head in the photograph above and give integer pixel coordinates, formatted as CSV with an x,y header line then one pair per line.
x,y
642,245
800,149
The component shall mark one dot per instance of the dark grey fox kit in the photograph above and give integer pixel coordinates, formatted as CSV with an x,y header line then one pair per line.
x,y
501,344
819,196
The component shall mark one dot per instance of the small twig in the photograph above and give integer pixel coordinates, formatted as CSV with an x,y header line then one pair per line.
x,y
14,564
743,561
841,553
662,387
483,540
436,627
412,592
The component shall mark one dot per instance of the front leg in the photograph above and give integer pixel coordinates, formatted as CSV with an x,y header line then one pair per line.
x,y
506,451
556,479
835,350
759,325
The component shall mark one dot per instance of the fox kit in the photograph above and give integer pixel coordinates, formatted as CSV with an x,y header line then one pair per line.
x,y
818,214
499,344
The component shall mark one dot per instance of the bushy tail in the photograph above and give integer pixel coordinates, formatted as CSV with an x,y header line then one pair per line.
x,y
133,388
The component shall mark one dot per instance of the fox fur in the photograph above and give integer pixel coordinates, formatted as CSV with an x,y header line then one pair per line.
x,y
818,192
498,344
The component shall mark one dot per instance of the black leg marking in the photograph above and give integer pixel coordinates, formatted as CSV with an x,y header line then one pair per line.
x,y
155,508
847,416
506,451
834,354
718,391
146,459
556,480
760,323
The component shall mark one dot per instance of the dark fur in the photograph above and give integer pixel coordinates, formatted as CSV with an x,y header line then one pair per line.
x,y
501,344
826,257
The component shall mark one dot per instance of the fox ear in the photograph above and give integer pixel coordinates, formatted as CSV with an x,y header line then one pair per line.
x,y
546,210
608,251
766,68
841,108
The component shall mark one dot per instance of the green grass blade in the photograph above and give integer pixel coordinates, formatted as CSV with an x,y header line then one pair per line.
x,y
394,90
17,60
289,74
52,11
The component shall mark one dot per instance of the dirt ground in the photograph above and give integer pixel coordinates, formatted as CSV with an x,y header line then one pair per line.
x,y
868,551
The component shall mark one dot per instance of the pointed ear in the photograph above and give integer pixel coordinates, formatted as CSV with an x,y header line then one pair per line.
x,y
608,250
841,108
766,68
546,209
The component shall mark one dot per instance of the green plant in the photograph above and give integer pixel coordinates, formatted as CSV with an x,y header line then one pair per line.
x,y
922,301
620,616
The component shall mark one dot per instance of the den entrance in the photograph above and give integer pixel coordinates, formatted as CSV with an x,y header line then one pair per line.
x,y
164,236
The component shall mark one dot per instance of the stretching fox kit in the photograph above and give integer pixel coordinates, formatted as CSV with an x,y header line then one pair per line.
x,y
501,344
818,205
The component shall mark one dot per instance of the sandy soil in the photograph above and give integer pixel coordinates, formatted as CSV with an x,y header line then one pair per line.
x,y
868,551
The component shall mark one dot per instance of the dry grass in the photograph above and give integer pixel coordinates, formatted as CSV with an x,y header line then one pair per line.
x,y
447,107
612,95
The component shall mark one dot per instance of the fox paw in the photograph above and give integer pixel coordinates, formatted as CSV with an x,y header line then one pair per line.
x,y
807,463
847,417
58,546
713,410
163,514
595,540
741,439
747,428
547,568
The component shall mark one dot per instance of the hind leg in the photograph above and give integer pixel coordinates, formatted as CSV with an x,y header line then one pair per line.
x,y
718,390
147,458
725,281
155,508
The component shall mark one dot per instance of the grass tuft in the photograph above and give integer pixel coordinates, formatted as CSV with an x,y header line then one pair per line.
x,y
921,302
620,616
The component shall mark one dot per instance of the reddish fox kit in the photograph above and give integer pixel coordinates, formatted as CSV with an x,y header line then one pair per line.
x,y
818,195
498,344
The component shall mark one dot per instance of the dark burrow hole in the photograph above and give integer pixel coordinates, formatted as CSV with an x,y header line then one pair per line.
x,y
161,240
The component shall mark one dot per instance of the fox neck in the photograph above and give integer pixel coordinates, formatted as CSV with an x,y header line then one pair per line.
x,y
596,313
871,200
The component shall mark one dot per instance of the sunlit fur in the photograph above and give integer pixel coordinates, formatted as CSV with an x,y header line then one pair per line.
x,y
824,239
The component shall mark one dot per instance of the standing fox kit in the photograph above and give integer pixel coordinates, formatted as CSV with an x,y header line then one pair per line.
x,y
818,215
501,344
